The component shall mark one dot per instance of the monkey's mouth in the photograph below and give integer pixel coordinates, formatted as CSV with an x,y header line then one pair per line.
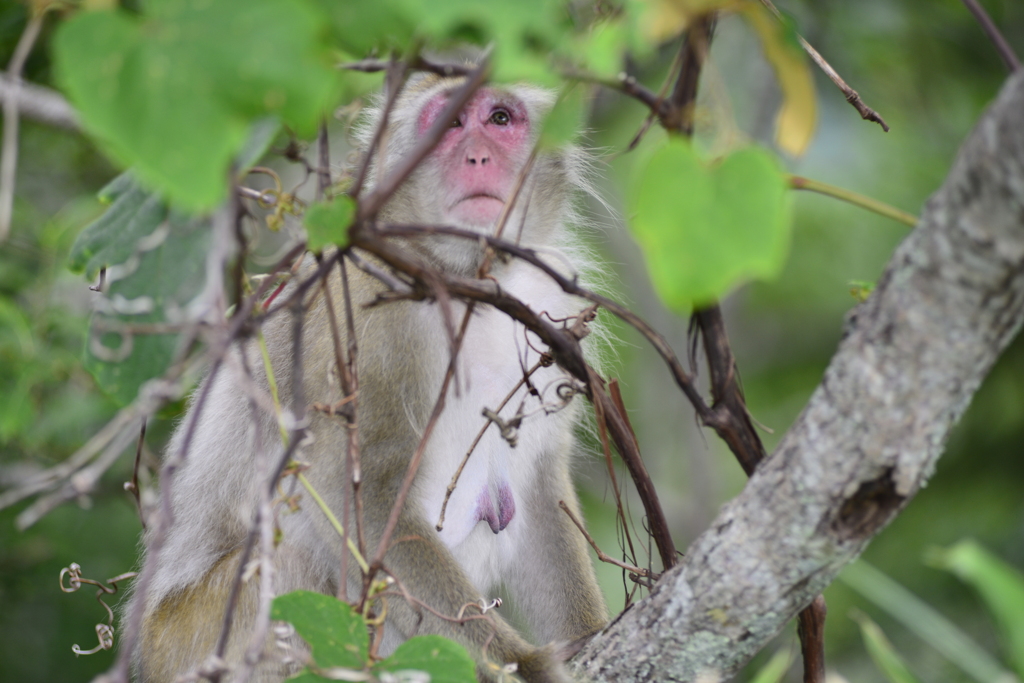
x,y
479,208
481,195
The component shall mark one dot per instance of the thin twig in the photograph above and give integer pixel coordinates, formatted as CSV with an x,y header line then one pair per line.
x,y
658,105
629,451
265,522
81,484
292,441
414,462
163,522
9,152
639,571
731,419
333,520
506,210
472,447
40,103
132,486
417,457
353,460
389,280
394,83
104,632
881,208
287,454
346,379
602,430
693,54
570,285
866,112
1006,52
236,326
323,170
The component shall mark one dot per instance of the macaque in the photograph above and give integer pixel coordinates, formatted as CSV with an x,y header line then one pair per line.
x,y
503,526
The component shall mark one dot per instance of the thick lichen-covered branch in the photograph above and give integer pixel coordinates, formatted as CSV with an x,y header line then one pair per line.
x,y
911,358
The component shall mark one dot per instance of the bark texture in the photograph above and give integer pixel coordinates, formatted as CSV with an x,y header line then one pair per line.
x,y
912,356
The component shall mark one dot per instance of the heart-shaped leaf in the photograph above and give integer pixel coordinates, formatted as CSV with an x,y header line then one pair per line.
x,y
172,90
327,223
443,660
154,286
112,238
705,229
336,634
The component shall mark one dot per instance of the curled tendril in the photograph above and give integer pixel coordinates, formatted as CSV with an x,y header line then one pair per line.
x,y
483,604
566,390
104,632
509,429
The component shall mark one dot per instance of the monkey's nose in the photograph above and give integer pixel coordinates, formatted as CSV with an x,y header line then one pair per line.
x,y
474,159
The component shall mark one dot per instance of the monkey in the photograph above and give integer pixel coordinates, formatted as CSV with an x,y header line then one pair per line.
x,y
503,526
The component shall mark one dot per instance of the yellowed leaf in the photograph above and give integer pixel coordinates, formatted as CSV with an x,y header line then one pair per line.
x,y
798,114
664,19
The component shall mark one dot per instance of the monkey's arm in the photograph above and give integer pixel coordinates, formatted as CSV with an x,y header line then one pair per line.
x,y
555,584
430,574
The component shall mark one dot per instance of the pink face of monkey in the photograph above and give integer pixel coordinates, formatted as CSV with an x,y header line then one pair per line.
x,y
481,155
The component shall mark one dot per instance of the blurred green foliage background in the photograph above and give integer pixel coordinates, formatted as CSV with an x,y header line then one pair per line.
x,y
924,65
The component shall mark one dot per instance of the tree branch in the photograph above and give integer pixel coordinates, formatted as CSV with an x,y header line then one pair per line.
x,y
40,104
1006,53
912,356
866,112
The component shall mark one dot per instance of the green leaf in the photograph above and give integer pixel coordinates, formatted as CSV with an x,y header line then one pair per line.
x,y
156,284
882,652
601,48
443,660
336,634
361,27
776,668
536,22
565,119
921,618
523,34
1000,585
112,238
117,187
706,229
327,223
172,91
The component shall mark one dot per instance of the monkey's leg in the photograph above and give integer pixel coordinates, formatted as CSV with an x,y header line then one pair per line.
x,y
180,634
429,572
554,583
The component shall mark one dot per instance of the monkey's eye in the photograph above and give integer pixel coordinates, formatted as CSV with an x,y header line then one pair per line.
x,y
500,117
456,124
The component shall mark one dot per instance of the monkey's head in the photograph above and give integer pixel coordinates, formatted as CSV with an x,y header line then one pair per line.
x,y
473,172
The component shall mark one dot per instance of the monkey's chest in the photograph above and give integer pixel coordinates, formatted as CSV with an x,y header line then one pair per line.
x,y
506,415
